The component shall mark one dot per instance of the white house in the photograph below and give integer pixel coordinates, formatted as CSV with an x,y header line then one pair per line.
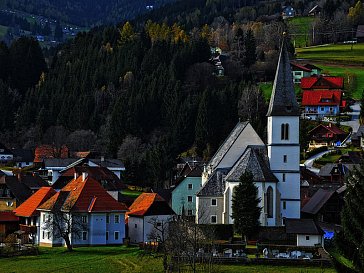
x,y
275,165
99,216
147,211
306,231
5,154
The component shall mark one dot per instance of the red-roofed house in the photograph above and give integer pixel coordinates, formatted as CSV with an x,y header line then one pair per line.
x,y
322,103
47,151
326,135
86,201
148,209
322,83
29,216
9,223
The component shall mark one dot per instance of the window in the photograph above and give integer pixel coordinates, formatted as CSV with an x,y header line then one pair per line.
x,y
284,205
107,219
48,235
213,202
213,219
285,158
135,225
189,212
107,235
270,202
189,199
285,131
159,224
283,177
284,221
322,108
307,238
84,219
43,234
84,235
190,187
116,219
116,235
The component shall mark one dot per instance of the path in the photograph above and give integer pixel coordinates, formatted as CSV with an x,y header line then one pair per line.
x,y
354,122
309,162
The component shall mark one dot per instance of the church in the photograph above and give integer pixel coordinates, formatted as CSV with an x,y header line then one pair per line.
x,y
274,165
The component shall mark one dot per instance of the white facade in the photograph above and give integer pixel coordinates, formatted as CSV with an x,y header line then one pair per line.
x,y
142,228
284,158
309,240
100,229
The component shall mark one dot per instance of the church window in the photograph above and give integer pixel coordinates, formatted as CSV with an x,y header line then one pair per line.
x,y
213,219
285,158
213,202
270,202
283,177
284,131
284,205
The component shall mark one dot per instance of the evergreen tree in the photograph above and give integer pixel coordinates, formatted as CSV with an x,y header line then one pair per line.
x,y
246,211
352,216
250,55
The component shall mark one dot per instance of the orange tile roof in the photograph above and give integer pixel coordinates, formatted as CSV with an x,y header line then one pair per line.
x,y
143,203
83,196
47,151
28,208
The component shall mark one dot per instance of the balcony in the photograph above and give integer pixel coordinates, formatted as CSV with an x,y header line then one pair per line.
x,y
28,229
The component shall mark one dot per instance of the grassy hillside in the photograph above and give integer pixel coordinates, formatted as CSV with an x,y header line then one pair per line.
x,y
299,28
341,53
118,259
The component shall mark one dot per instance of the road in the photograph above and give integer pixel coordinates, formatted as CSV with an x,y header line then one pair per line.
x,y
354,122
309,162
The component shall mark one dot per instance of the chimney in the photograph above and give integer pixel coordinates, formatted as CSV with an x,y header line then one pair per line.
x,y
75,175
330,124
84,176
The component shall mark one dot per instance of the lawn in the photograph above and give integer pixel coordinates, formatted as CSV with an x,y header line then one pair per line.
x,y
3,30
131,193
299,28
118,259
340,53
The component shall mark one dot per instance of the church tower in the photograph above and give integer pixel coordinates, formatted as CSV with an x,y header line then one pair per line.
x,y
283,138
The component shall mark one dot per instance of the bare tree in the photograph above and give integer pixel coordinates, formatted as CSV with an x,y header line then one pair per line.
x,y
66,225
81,140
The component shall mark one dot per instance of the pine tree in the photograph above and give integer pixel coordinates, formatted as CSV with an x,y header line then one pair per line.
x,y
352,216
250,55
246,211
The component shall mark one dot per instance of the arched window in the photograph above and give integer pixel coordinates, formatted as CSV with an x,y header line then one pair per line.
x,y
284,131
270,198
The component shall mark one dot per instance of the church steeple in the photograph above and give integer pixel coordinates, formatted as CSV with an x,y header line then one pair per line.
x,y
283,100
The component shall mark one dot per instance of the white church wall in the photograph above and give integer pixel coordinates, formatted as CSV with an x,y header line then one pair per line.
x,y
274,126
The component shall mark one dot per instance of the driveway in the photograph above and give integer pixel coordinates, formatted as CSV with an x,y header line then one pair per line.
x,y
309,162
354,122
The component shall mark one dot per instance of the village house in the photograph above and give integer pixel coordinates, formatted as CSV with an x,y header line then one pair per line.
x,y
288,12
184,192
357,138
275,166
299,72
322,103
306,232
29,215
9,223
84,199
5,155
22,158
148,211
321,82
12,193
324,206
326,135
336,173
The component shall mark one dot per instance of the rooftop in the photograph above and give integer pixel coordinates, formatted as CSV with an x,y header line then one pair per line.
x,y
149,204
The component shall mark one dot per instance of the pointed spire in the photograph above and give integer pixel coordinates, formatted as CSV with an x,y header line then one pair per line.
x,y
283,100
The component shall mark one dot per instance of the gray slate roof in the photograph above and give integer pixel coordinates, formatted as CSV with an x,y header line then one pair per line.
x,y
255,160
215,186
229,141
283,100
317,201
344,169
58,162
108,163
302,226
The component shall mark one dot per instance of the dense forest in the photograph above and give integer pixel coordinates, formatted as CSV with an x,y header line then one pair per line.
x,y
84,12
